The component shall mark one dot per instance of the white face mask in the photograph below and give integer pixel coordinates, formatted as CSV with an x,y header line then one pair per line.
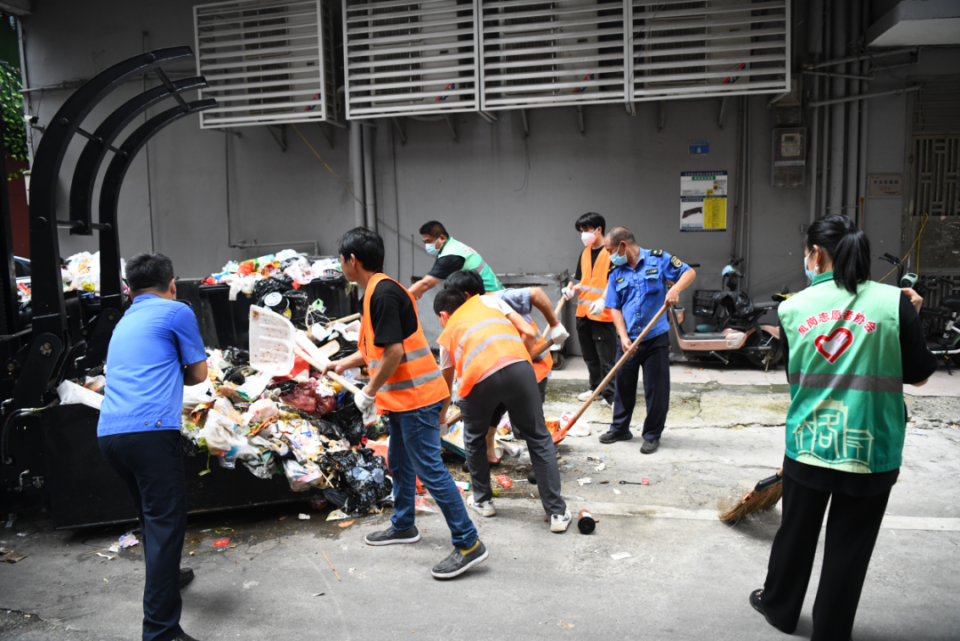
x,y
588,238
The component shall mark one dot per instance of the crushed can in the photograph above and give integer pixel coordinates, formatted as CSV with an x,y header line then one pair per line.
x,y
585,522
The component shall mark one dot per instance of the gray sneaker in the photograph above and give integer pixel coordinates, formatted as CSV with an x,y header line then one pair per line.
x,y
392,537
459,562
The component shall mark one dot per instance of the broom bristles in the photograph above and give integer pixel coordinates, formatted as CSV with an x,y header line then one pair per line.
x,y
752,502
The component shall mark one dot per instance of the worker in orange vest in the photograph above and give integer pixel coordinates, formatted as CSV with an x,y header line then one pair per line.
x,y
489,350
521,301
595,329
406,384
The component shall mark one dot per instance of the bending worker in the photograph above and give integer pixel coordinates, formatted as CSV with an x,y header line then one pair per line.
x,y
598,336
518,301
637,290
452,256
405,383
492,364
849,345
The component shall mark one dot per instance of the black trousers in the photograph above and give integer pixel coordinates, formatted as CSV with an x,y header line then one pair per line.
x,y
653,356
516,387
598,342
151,464
852,528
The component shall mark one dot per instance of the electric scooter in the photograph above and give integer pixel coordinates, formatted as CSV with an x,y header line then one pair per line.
x,y
736,332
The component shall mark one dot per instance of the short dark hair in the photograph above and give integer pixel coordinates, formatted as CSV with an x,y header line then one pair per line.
x,y
847,246
448,300
468,282
148,271
366,245
434,229
591,219
618,235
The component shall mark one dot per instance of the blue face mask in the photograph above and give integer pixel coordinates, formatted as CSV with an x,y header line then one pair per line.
x,y
432,249
617,260
811,273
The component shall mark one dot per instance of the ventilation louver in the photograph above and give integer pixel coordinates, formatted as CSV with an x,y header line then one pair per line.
x,y
684,49
266,62
541,54
410,58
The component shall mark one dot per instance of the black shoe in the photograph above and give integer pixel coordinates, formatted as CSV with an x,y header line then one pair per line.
x,y
613,437
459,562
184,637
391,536
649,447
757,603
186,576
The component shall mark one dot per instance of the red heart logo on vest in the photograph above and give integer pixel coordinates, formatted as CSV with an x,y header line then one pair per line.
x,y
832,347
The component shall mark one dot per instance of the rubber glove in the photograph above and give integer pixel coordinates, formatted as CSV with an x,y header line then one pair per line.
x,y
366,405
567,293
597,307
558,333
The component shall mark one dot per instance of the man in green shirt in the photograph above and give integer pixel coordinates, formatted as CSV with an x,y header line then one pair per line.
x,y
452,256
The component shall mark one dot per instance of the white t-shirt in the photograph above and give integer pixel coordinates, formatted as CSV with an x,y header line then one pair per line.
x,y
446,360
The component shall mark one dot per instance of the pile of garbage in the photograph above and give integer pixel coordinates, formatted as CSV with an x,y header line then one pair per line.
x,y
288,266
81,272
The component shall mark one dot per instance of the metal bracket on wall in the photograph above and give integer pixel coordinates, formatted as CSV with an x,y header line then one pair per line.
x,y
865,96
453,128
281,138
526,123
580,120
398,125
491,118
724,103
326,134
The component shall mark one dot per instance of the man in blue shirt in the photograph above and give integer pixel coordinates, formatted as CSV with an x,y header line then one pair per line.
x,y
637,288
155,350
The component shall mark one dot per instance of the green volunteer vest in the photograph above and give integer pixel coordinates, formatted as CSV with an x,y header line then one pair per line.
x,y
472,261
846,377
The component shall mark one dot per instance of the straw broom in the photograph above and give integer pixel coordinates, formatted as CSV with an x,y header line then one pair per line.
x,y
764,496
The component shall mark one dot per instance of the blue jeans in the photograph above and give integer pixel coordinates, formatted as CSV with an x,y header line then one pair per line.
x,y
415,451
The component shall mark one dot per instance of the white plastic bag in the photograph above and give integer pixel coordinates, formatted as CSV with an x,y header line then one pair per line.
x,y
194,395
73,394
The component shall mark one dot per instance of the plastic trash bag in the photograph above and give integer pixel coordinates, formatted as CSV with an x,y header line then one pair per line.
x,y
260,411
361,475
264,466
299,476
72,394
194,395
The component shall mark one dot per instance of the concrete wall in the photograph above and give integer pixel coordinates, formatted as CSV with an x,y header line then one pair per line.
x,y
512,199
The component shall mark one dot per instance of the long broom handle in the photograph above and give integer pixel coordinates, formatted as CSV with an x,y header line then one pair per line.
x,y
613,370
556,313
533,355
332,375
345,319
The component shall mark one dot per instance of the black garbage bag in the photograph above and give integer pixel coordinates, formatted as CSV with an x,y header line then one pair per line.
x,y
298,304
237,357
346,349
350,420
359,474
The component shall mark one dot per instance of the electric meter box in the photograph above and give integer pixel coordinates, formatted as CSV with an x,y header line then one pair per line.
x,y
789,157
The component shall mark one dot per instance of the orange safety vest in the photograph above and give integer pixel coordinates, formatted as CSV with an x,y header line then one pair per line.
x,y
477,337
541,369
593,284
417,382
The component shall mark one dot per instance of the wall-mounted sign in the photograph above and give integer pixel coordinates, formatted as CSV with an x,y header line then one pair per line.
x,y
885,185
703,201
699,148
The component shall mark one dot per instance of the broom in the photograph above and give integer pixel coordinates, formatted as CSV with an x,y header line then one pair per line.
x,y
764,496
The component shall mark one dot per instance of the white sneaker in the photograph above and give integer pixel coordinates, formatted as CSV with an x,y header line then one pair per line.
x,y
560,522
604,402
485,508
583,398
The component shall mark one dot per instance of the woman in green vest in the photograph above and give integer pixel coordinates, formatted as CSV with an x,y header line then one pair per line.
x,y
850,344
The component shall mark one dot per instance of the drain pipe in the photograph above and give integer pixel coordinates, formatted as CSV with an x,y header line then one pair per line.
x,y
853,125
356,171
838,116
815,47
369,177
864,107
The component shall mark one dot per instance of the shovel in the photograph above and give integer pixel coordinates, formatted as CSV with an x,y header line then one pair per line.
x,y
345,319
560,434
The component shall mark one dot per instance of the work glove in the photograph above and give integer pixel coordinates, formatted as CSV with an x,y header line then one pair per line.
x,y
597,307
558,333
366,406
567,293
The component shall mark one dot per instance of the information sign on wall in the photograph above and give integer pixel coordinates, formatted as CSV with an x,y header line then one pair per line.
x,y
703,201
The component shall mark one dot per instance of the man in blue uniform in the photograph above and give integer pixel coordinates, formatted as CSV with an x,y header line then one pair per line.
x,y
637,287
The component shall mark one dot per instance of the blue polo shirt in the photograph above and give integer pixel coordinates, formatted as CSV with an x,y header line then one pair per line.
x,y
150,345
638,292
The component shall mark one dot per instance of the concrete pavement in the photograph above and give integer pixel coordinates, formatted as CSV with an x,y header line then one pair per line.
x,y
687,576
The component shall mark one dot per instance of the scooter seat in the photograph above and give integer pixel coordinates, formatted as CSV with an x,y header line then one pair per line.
x,y
951,302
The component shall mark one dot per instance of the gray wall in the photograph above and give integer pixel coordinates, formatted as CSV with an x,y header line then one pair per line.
x,y
513,200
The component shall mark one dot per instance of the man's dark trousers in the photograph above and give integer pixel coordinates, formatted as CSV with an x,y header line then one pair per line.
x,y
653,355
598,343
151,464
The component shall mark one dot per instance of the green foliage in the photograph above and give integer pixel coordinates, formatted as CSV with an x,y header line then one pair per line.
x,y
14,131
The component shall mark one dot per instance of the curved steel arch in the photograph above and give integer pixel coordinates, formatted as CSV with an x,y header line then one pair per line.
x,y
110,281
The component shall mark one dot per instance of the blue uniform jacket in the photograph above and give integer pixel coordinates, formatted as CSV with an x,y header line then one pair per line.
x,y
638,292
